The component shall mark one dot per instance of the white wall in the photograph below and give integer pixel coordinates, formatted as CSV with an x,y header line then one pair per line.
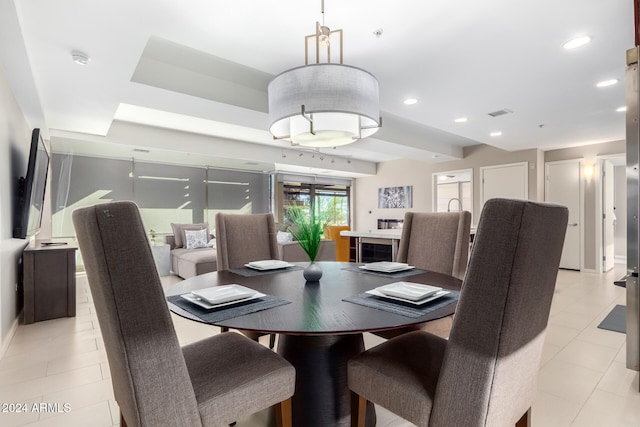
x,y
419,174
15,136
412,172
589,153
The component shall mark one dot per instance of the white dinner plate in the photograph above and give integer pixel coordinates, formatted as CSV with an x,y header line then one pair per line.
x,y
268,264
419,302
387,266
202,303
221,294
408,290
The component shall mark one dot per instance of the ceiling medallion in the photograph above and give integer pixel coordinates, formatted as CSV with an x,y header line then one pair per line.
x,y
324,104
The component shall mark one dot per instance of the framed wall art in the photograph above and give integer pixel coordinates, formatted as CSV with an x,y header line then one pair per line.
x,y
395,197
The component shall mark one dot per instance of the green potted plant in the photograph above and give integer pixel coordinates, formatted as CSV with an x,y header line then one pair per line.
x,y
152,232
307,230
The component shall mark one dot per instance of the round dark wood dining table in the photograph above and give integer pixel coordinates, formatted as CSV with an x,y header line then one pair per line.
x,y
318,331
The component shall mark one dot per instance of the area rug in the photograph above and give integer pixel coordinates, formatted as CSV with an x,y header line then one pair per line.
x,y
616,320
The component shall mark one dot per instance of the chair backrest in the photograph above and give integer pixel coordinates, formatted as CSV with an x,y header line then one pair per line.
x,y
436,241
342,242
491,363
244,238
150,379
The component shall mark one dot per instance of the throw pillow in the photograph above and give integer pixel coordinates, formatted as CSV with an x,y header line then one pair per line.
x,y
196,239
179,229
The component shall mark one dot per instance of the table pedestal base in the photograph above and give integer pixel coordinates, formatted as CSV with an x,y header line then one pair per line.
x,y
322,397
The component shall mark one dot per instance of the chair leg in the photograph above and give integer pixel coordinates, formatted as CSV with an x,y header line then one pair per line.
x,y
123,423
525,421
283,413
272,341
358,410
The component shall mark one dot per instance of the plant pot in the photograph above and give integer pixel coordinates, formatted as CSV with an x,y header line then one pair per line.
x,y
312,272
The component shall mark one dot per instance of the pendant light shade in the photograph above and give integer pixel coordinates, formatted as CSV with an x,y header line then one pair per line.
x,y
323,105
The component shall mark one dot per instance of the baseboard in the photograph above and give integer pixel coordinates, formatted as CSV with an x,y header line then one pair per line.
x,y
12,332
620,259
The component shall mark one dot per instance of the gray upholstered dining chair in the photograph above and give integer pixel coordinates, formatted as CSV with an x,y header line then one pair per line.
x,y
156,382
244,238
434,241
485,373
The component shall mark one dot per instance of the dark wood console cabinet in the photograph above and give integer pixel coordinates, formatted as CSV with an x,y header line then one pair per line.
x,y
49,280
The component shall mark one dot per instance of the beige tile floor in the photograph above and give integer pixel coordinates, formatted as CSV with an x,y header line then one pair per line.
x,y
583,380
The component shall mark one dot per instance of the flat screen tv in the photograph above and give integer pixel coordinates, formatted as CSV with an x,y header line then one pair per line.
x,y
31,189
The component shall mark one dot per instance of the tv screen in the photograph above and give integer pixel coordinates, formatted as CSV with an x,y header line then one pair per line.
x,y
31,189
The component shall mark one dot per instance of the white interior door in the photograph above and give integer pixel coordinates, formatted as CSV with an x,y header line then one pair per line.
x,y
608,215
507,181
563,187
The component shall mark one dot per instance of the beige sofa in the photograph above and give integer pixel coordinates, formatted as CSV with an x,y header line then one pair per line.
x,y
193,262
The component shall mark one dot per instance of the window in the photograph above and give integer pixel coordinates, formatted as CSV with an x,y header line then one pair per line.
x,y
329,200
78,181
165,193
169,193
296,196
237,192
332,202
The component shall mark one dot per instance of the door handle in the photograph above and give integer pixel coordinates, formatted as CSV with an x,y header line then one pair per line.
x,y
574,224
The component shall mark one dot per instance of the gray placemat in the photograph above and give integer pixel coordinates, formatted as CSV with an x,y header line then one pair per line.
x,y
229,311
402,308
405,273
252,272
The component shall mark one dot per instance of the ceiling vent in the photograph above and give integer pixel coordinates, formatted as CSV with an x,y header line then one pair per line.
x,y
141,150
500,112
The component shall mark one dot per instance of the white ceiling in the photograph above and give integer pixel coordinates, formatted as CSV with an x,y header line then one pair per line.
x,y
201,67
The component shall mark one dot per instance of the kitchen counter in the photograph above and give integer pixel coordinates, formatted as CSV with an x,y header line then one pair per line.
x,y
376,234
390,237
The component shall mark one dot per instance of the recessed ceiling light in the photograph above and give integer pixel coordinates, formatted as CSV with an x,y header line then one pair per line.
x,y
577,42
495,133
606,83
410,101
80,58
621,109
460,120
